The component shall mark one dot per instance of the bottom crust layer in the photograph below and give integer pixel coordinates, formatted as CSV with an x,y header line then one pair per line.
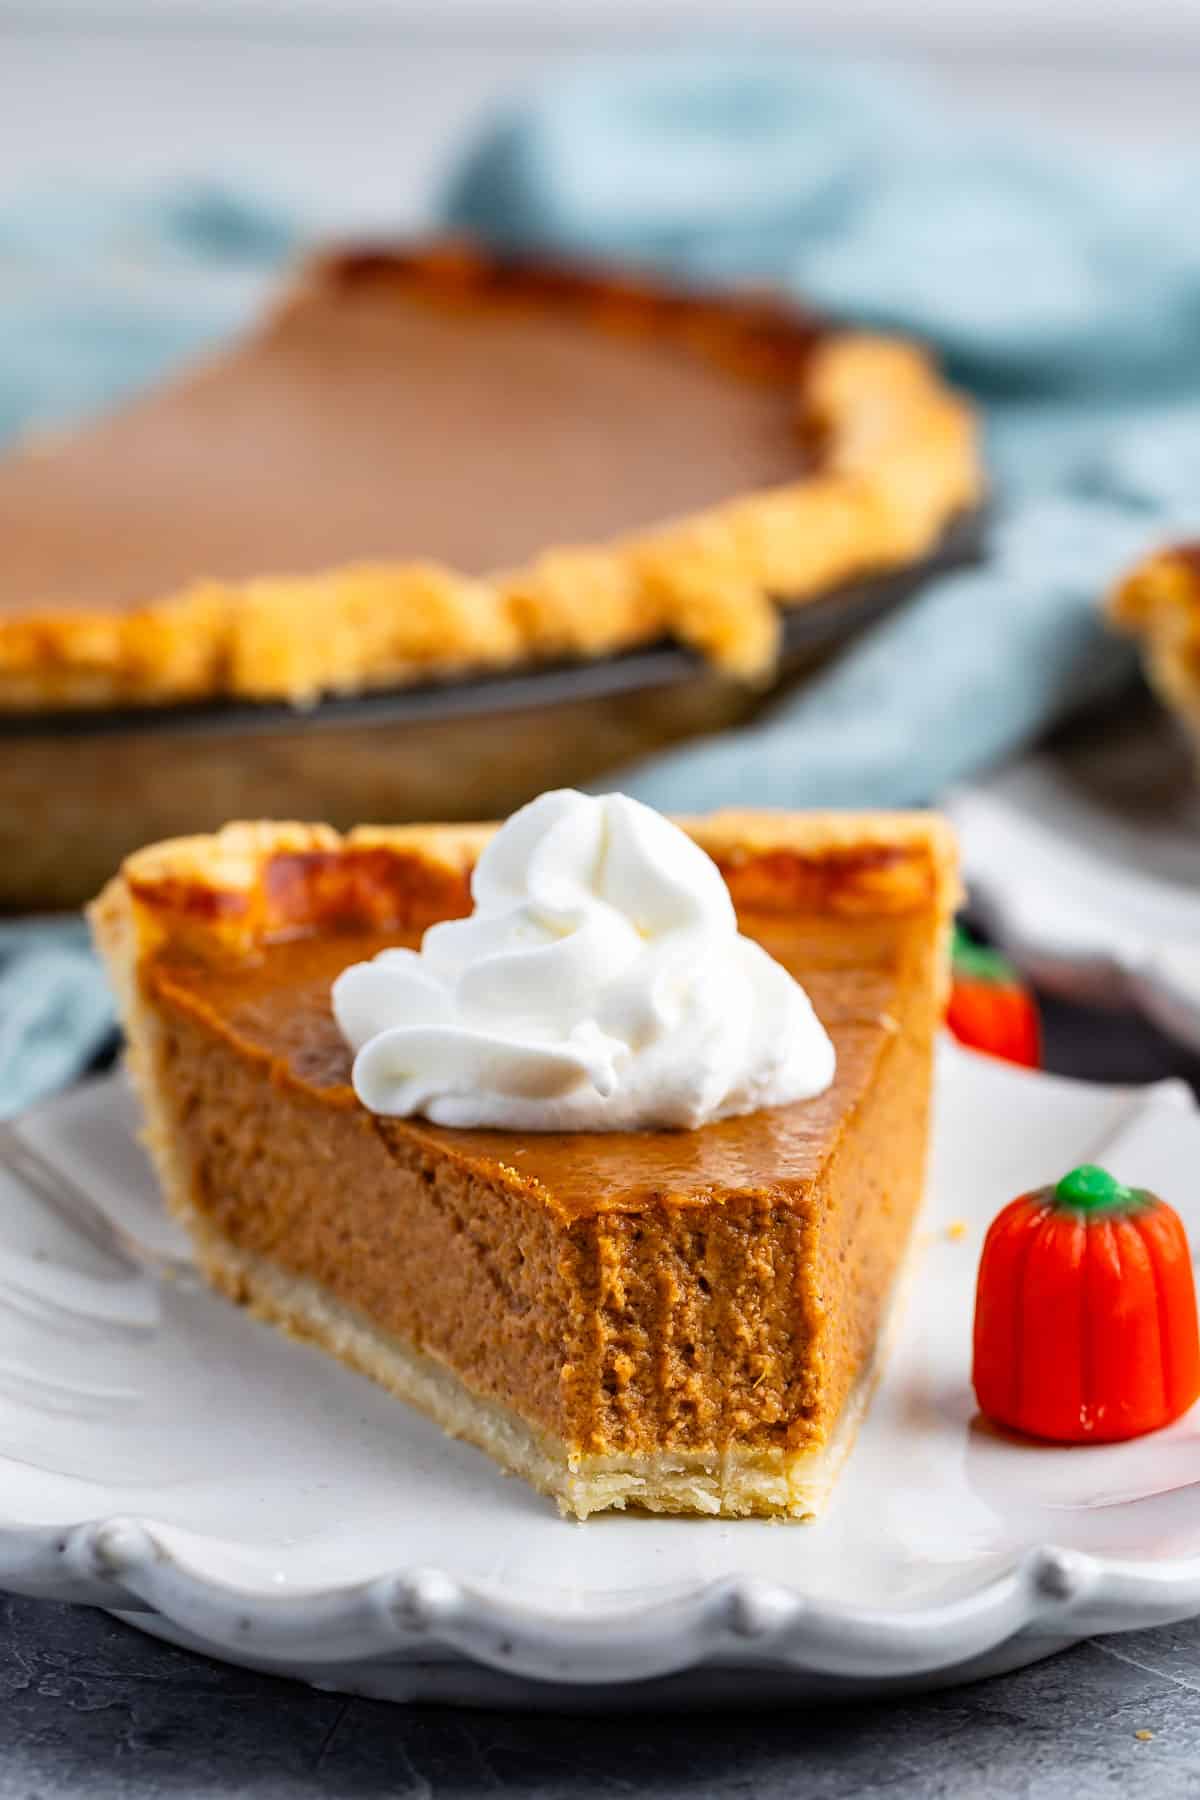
x,y
731,1483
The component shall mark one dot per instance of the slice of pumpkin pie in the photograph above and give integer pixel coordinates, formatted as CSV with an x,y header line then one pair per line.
x,y
598,1139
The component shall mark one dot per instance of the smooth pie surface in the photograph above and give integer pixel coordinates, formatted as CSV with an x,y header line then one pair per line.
x,y
372,423
276,1009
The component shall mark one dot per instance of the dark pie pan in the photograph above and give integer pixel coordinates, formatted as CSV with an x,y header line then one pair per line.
x,y
79,790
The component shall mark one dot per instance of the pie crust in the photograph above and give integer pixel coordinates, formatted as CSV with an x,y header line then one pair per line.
x,y
885,458
683,1322
1158,603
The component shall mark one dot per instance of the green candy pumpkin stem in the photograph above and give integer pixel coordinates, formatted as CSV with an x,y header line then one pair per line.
x,y
978,962
1092,1189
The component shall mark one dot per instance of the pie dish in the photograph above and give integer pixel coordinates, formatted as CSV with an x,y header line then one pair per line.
x,y
424,751
1158,603
429,461
681,1321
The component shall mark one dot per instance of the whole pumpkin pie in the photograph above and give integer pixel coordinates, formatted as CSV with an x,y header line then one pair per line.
x,y
428,462
1158,603
679,1319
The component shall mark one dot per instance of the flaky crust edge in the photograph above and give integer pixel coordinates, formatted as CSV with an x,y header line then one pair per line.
x,y
255,880
1158,603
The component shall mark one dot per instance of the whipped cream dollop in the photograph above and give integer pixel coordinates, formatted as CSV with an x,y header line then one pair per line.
x,y
600,984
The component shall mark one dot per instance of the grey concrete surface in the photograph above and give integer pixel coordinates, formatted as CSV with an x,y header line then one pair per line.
x,y
90,1707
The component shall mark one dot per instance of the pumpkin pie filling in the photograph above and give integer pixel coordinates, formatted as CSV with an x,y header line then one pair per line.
x,y
682,1320
384,378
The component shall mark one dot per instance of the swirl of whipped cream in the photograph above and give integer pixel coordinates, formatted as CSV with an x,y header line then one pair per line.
x,y
600,984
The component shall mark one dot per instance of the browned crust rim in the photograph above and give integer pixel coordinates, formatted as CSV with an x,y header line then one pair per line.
x,y
254,883
898,461
1158,603
756,335
1169,579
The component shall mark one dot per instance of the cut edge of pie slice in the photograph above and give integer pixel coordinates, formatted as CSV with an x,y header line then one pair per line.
x,y
1158,604
762,1303
886,456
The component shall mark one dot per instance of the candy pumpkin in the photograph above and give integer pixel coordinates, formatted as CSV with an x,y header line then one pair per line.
x,y
991,1009
1085,1313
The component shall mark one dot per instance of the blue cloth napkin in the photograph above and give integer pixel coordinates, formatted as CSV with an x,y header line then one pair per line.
x,y
103,291
55,1009
1063,290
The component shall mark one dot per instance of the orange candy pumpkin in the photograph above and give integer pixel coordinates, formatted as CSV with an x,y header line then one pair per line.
x,y
991,1008
1085,1313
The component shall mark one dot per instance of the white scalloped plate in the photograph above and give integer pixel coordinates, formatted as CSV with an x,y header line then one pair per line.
x,y
167,1457
1083,860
